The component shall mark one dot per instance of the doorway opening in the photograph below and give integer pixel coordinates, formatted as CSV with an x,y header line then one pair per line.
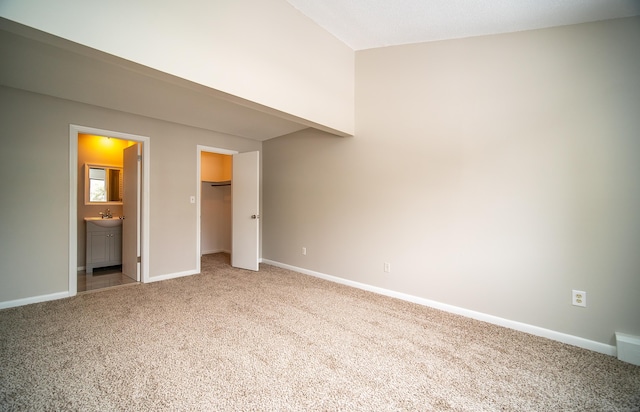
x,y
213,201
237,190
108,230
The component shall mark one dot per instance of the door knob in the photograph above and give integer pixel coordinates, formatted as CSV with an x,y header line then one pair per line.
x,y
255,216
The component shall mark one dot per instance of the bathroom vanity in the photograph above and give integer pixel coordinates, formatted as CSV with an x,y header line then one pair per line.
x,y
104,242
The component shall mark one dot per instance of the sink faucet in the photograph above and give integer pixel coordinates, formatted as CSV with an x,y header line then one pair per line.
x,y
106,214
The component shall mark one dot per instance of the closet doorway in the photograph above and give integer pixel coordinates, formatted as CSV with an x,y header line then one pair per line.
x,y
215,203
228,205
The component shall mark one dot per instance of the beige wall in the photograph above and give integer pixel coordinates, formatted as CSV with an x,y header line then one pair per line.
x,y
495,174
264,51
215,219
34,165
215,167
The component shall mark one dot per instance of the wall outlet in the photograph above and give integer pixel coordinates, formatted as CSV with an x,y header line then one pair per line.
x,y
579,298
304,250
387,267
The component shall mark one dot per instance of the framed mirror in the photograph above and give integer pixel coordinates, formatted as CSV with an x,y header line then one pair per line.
x,y
102,185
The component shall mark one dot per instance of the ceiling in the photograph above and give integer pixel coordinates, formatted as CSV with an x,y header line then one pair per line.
x,y
366,24
42,63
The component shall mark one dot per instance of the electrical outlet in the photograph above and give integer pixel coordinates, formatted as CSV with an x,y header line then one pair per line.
x,y
304,251
579,298
387,267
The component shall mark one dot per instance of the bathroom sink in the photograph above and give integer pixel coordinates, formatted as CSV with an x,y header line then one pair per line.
x,y
106,222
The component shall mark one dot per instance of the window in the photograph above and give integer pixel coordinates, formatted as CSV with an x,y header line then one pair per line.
x,y
97,185
103,185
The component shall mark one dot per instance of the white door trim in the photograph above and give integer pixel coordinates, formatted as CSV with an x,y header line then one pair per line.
x,y
200,149
73,199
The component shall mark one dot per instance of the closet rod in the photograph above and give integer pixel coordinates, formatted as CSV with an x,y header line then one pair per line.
x,y
220,183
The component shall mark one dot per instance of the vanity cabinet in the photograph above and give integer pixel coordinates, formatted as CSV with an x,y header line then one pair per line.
x,y
104,246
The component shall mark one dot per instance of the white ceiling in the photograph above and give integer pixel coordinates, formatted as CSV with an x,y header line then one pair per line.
x,y
366,24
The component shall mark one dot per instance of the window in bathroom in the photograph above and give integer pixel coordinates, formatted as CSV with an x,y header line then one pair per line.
x,y
97,185
103,184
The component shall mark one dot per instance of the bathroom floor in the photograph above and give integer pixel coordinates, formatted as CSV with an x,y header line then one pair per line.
x,y
103,278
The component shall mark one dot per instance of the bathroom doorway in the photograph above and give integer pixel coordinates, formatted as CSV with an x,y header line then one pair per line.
x,y
108,209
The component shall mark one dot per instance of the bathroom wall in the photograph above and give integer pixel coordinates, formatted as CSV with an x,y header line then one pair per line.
x,y
98,150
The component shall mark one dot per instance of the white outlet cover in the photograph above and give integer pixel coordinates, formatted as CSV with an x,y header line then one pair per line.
x,y
579,298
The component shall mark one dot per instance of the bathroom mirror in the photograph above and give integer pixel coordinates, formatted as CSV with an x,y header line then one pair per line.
x,y
102,185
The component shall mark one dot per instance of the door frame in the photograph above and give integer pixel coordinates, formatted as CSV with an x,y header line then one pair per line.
x,y
74,130
200,149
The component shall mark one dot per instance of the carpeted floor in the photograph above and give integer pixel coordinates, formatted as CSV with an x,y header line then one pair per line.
x,y
275,340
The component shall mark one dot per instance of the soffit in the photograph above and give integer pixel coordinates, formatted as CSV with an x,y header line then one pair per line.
x,y
39,62
366,24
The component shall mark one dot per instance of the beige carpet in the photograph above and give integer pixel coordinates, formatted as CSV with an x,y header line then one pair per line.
x,y
276,340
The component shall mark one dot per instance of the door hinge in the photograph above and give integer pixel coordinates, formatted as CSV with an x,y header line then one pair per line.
x,y
139,260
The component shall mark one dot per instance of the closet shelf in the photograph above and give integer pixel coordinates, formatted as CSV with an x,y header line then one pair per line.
x,y
221,183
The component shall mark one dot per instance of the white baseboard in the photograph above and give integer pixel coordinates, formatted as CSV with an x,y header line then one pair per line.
x,y
522,327
171,276
628,348
208,252
519,326
33,299
62,295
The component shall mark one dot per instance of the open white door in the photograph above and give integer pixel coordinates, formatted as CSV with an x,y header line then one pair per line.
x,y
245,188
131,212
